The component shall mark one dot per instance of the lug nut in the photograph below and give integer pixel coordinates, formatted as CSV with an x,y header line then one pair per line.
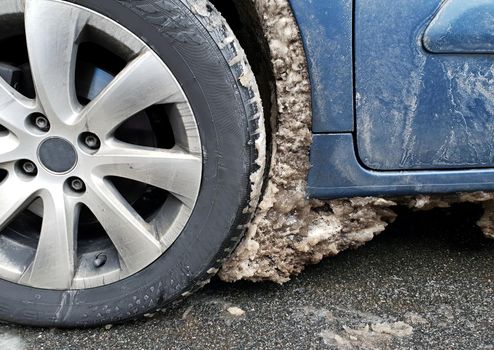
x,y
29,168
100,260
91,141
42,123
77,185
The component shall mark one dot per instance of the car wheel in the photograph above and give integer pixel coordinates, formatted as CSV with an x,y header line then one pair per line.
x,y
128,142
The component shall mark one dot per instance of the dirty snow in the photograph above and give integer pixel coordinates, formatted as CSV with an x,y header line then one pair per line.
x,y
11,342
372,336
289,231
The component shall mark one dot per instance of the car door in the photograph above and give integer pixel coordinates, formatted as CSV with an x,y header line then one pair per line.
x,y
424,84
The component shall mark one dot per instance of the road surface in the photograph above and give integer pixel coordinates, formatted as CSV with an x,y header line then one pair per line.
x,y
426,283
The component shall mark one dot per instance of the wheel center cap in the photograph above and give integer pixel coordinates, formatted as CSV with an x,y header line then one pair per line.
x,y
57,155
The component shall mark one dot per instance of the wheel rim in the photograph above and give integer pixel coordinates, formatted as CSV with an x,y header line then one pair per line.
x,y
59,156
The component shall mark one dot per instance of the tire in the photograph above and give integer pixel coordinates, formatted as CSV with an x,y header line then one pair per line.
x,y
197,45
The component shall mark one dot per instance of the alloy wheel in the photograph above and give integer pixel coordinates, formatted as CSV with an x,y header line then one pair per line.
x,y
84,200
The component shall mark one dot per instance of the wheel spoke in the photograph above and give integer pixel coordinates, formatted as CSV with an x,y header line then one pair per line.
x,y
9,149
144,82
133,238
15,196
14,108
54,262
173,170
52,31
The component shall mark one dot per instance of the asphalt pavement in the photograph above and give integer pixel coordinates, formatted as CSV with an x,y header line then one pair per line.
x,y
426,283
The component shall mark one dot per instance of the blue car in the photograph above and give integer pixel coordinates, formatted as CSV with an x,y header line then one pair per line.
x,y
141,140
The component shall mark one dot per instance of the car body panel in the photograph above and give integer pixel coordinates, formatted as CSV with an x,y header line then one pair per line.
x,y
337,173
423,114
326,28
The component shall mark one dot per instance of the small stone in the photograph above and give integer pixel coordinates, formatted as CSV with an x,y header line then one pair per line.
x,y
235,311
185,315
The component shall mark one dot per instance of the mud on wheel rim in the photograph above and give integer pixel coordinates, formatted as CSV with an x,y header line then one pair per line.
x,y
96,150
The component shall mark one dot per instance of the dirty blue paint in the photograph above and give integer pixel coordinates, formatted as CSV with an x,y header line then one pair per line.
x,y
336,173
462,27
326,28
415,109
424,116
